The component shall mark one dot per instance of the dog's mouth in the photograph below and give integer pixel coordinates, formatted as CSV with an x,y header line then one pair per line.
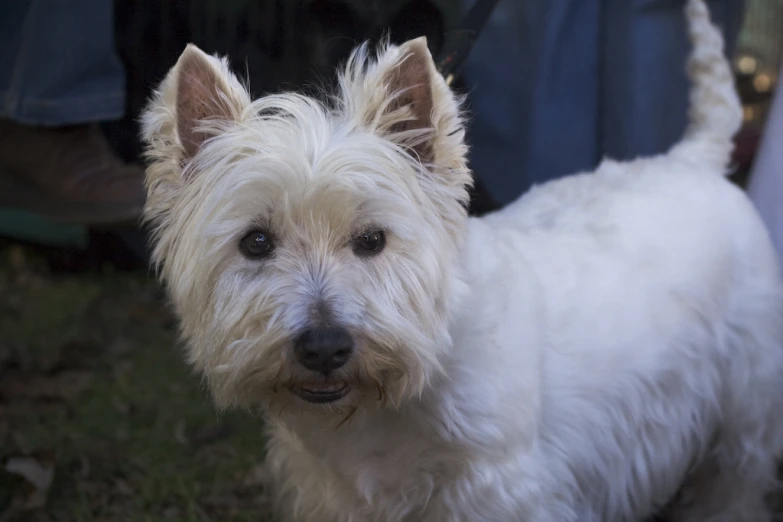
x,y
322,393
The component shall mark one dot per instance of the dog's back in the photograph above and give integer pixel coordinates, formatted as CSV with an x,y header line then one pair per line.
x,y
664,314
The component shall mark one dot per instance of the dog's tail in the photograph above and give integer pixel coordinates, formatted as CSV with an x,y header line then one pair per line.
x,y
715,113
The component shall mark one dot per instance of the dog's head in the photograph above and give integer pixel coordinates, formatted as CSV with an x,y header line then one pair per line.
x,y
310,246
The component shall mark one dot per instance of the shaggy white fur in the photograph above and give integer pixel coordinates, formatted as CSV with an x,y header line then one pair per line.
x,y
608,346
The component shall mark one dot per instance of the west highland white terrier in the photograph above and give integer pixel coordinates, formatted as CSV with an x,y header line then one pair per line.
x,y
607,347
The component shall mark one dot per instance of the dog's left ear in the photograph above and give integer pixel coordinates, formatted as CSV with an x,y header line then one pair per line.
x,y
410,89
403,97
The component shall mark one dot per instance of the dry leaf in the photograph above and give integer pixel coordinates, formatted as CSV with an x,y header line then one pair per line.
x,y
119,346
171,512
123,488
209,434
64,385
120,405
17,260
84,466
179,433
258,475
122,433
6,353
39,475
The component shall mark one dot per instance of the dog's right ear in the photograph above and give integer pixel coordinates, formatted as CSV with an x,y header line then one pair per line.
x,y
199,90
197,99
206,91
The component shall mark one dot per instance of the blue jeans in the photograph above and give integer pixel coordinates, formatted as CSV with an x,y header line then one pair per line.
x,y
556,85
58,64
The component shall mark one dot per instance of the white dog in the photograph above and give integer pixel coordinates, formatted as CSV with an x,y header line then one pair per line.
x,y
608,346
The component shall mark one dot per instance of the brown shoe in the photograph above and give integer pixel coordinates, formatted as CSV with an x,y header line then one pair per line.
x,y
68,174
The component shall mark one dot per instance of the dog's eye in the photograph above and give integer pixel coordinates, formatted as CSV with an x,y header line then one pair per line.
x,y
256,244
369,243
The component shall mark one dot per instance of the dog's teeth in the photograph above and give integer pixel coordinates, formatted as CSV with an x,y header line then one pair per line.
x,y
325,388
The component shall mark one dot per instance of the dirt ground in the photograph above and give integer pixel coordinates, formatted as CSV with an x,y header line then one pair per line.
x,y
100,419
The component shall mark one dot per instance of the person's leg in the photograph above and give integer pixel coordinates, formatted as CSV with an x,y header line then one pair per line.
x,y
533,81
59,77
557,85
59,66
766,180
645,90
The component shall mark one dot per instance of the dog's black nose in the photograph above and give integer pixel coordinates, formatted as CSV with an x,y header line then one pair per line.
x,y
323,349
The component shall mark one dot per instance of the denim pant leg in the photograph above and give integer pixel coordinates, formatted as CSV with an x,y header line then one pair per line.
x,y
532,79
644,87
556,85
58,64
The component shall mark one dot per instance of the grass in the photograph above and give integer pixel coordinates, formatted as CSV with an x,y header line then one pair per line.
x,y
94,388
93,385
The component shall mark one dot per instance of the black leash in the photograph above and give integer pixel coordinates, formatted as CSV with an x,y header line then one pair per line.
x,y
459,42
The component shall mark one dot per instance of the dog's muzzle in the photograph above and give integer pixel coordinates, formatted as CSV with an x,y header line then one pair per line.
x,y
323,350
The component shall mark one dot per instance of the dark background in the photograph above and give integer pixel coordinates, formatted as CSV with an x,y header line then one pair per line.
x,y
100,418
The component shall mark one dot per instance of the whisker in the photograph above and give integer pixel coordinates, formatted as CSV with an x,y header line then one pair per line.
x,y
276,380
346,418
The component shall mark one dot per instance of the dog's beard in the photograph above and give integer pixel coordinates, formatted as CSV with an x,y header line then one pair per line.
x,y
376,377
